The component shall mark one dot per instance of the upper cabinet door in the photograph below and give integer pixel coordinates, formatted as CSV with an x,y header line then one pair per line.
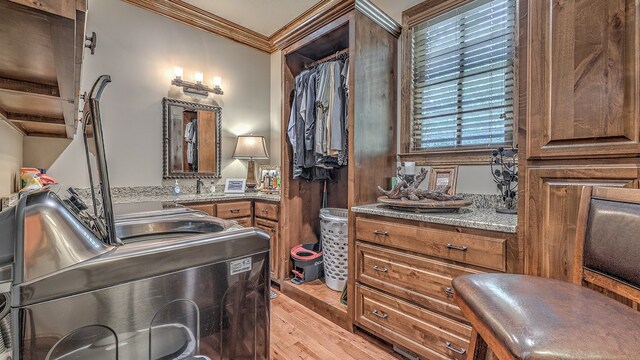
x,y
583,79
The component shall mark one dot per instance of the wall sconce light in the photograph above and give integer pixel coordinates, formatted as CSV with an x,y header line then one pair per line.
x,y
198,87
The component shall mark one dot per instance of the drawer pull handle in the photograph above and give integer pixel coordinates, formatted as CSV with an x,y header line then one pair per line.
x,y
273,230
454,247
264,211
380,314
448,291
460,351
234,211
377,268
379,232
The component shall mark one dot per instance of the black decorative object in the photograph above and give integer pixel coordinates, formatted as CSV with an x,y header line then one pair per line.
x,y
504,168
403,177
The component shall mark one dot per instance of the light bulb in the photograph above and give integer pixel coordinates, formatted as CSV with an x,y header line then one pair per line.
x,y
217,81
178,72
199,76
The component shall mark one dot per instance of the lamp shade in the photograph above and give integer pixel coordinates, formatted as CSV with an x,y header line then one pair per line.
x,y
251,147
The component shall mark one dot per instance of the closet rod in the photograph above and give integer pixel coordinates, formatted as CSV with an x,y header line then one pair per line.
x,y
325,59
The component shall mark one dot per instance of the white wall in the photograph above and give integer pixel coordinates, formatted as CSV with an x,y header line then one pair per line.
x,y
139,50
10,158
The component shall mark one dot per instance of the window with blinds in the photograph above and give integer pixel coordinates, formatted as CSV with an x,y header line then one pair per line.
x,y
463,77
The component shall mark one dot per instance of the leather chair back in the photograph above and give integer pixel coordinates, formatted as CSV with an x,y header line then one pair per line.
x,y
612,242
608,241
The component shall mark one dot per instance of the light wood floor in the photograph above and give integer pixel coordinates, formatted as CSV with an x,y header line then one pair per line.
x,y
299,333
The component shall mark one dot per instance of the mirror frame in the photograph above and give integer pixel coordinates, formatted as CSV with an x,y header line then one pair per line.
x,y
166,136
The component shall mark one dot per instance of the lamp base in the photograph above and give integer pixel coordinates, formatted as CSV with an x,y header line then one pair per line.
x,y
251,176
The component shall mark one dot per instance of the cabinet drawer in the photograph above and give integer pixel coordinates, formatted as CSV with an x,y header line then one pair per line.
x,y
417,329
267,211
210,209
467,248
245,221
232,210
415,278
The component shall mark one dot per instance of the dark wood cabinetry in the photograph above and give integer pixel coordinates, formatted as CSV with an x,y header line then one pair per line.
x,y
553,199
264,215
583,83
579,118
403,274
371,114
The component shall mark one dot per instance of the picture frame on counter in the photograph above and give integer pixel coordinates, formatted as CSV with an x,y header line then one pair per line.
x,y
235,186
440,176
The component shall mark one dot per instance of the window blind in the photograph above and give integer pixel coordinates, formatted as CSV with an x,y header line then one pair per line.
x,y
463,77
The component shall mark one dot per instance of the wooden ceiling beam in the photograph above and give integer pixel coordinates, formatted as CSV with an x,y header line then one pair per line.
x,y
29,87
14,117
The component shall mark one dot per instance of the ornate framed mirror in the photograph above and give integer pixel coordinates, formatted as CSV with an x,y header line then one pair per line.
x,y
192,139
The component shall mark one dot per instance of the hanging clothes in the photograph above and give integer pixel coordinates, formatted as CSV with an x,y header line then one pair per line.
x,y
317,129
191,138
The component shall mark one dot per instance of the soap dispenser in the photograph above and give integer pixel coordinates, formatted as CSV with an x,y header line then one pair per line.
x,y
176,190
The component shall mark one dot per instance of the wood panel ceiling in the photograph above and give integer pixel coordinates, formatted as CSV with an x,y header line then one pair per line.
x,y
39,76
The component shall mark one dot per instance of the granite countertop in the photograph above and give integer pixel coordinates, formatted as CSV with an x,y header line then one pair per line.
x,y
471,217
121,195
193,198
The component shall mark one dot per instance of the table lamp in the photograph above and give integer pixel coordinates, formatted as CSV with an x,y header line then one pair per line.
x,y
251,148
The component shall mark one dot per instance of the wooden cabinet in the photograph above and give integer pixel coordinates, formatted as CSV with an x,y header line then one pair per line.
x,y
267,215
582,88
235,210
209,208
403,273
418,329
42,46
267,210
578,80
271,228
552,210
467,248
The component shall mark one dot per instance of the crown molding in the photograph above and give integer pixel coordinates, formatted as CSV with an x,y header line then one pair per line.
x,y
311,20
379,17
194,16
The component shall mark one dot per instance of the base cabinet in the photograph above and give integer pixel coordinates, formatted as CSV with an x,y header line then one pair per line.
x,y
403,274
264,215
552,210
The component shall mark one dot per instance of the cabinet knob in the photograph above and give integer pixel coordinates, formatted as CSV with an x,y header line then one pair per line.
x,y
448,291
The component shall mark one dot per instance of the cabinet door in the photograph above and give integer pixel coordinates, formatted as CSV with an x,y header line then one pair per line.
x,y
271,228
582,98
551,213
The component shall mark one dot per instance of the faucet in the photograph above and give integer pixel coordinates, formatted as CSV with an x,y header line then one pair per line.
x,y
199,184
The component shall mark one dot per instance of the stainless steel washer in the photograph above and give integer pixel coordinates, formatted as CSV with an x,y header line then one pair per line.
x,y
148,282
